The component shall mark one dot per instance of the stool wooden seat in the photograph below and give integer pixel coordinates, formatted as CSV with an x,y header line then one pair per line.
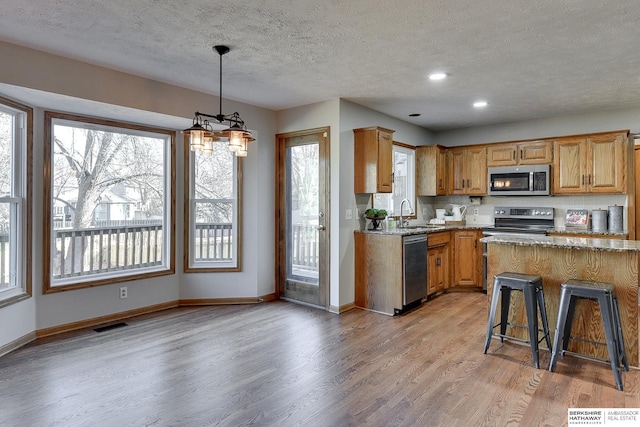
x,y
604,294
531,287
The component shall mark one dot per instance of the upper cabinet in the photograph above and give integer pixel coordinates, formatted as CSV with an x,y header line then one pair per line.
x,y
431,170
373,160
523,153
591,164
468,170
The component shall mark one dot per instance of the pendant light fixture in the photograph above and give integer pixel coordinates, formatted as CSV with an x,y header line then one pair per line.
x,y
201,133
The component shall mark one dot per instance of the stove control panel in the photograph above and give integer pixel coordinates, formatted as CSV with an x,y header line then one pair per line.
x,y
524,213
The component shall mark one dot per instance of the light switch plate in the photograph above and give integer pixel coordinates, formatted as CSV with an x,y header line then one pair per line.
x,y
348,214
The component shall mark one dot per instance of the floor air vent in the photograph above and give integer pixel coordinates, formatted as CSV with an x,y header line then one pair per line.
x,y
110,327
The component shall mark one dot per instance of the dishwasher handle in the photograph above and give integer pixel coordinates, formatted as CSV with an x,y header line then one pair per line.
x,y
414,238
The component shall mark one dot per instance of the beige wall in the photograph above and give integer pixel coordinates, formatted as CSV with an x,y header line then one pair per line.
x,y
47,81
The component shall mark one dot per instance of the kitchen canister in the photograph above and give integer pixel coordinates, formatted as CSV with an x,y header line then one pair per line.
x,y
615,219
599,220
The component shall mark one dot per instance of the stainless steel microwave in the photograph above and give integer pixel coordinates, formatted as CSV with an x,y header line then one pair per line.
x,y
529,180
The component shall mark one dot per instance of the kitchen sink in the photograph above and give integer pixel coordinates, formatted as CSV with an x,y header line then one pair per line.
x,y
427,226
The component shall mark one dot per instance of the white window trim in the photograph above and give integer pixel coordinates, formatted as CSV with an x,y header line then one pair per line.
x,y
18,238
411,174
411,184
234,264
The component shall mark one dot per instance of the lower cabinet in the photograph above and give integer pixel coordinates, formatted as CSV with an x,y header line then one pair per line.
x,y
467,258
438,262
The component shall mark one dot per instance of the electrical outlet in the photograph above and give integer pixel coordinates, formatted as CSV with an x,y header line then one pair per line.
x,y
123,292
475,211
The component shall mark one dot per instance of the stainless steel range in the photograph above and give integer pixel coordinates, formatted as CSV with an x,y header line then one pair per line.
x,y
520,221
516,221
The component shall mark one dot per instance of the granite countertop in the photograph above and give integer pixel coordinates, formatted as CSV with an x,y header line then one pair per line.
x,y
422,229
580,243
578,231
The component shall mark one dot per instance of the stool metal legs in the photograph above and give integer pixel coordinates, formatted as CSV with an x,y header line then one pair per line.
x,y
543,316
612,327
531,306
533,299
492,315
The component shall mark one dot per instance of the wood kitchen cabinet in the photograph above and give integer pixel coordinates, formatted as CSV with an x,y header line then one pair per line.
x,y
468,170
467,258
521,153
590,164
373,160
438,262
431,170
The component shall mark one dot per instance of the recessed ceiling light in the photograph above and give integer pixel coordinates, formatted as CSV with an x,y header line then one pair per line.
x,y
414,115
480,104
437,76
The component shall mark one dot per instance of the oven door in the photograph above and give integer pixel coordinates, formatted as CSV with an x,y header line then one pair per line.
x,y
510,182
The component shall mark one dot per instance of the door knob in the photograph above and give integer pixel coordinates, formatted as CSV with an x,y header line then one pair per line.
x,y
321,228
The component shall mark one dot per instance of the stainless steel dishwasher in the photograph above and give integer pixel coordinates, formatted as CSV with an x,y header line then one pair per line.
x,y
414,269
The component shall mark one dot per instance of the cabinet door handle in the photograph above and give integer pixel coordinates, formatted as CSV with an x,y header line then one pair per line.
x,y
468,183
440,182
582,179
594,179
514,155
521,155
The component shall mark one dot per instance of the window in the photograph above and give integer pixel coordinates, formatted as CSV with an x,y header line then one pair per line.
x,y
96,168
15,201
403,183
213,182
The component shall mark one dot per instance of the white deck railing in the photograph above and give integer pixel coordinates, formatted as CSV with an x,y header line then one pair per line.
x,y
95,250
213,241
116,248
304,247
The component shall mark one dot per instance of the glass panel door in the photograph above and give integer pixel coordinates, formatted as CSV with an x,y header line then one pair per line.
x,y
303,219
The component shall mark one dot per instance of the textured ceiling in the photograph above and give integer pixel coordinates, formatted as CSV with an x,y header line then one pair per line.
x,y
527,59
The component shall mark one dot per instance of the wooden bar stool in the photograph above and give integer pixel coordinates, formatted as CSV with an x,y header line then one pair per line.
x,y
604,294
531,287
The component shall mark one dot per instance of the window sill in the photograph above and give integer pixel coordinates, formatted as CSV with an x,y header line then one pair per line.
x,y
14,299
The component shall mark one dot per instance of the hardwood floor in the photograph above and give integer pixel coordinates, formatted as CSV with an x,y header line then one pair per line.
x,y
283,364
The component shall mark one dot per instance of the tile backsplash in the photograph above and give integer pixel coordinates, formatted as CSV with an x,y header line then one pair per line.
x,y
428,205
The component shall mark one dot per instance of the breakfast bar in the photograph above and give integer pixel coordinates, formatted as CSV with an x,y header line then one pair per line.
x,y
558,259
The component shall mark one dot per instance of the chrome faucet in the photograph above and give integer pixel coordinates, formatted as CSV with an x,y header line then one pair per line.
x,y
404,222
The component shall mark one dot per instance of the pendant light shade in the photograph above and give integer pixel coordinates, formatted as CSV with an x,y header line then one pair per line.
x,y
202,135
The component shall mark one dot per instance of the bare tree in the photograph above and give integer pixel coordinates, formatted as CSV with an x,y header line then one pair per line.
x,y
88,163
214,180
304,178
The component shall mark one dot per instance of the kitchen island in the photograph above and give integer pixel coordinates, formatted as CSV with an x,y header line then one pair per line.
x,y
557,259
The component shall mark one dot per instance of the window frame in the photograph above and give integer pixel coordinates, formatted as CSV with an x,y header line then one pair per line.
x,y
22,196
388,204
168,268
189,263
